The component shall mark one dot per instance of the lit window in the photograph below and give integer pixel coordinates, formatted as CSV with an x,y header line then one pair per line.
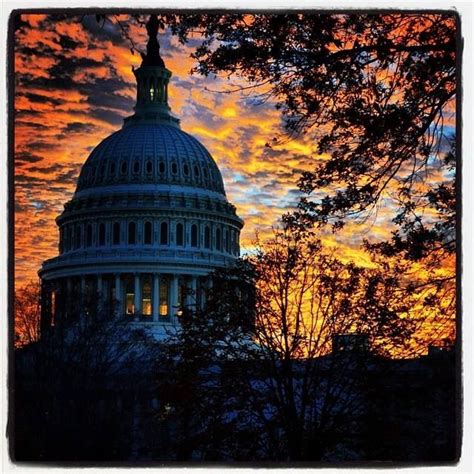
x,y
163,298
146,295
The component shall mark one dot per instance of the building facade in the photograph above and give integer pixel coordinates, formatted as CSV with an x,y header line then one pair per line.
x,y
149,220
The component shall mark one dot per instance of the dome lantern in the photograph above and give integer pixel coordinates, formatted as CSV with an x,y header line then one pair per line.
x,y
152,84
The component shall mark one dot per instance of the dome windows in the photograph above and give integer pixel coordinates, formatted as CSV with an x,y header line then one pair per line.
x,y
89,235
207,237
196,171
116,233
174,168
218,239
149,167
132,238
112,169
164,233
123,167
78,237
147,234
161,167
186,170
194,235
179,234
136,167
101,234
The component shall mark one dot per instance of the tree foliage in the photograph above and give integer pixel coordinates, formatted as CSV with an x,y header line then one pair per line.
x,y
27,314
251,376
375,91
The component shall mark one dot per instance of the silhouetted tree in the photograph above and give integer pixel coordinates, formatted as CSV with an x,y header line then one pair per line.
x,y
377,94
27,314
269,389
81,390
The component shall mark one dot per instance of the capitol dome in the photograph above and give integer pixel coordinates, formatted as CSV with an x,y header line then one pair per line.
x,y
150,154
148,222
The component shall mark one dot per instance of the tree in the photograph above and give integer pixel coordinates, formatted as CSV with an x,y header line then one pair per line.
x,y
27,314
82,391
377,94
272,390
374,90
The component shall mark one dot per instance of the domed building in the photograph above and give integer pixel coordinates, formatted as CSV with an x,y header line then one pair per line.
x,y
149,220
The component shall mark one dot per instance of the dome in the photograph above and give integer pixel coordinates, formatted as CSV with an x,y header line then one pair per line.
x,y
149,221
151,153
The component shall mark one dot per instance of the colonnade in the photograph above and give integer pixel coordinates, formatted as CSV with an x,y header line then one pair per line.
x,y
140,296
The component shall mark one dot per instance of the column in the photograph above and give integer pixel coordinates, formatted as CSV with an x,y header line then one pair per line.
x,y
191,298
173,296
45,322
68,297
118,296
155,297
137,296
83,297
100,294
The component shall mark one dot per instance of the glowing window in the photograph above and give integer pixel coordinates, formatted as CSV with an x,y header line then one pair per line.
x,y
163,298
146,295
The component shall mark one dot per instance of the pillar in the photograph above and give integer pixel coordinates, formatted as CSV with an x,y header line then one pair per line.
x,y
45,322
173,296
100,293
68,297
191,297
137,295
83,296
155,297
118,296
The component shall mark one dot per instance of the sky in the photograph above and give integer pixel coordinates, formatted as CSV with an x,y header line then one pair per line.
x,y
73,87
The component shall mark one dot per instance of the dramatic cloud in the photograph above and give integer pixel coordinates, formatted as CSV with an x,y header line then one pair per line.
x,y
74,86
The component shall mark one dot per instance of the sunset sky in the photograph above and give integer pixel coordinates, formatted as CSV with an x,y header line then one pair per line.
x,y
74,85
